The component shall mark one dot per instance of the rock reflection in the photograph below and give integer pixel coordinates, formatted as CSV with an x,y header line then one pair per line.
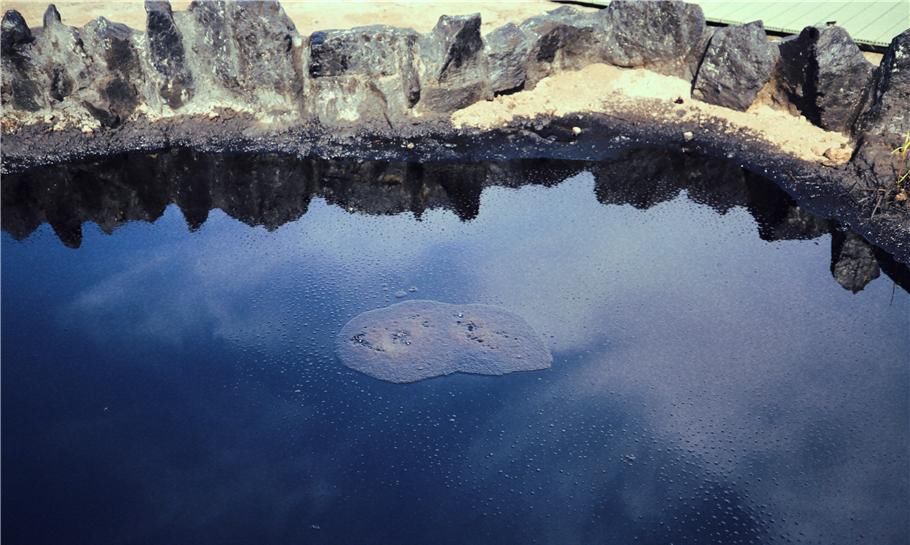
x,y
271,190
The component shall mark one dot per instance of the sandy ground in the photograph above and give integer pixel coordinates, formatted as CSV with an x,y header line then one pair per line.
x,y
611,90
310,15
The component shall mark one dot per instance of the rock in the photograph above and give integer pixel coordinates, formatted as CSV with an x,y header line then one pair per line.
x,y
688,136
417,340
248,50
18,86
114,95
212,45
20,92
265,38
454,71
888,114
365,73
167,54
51,16
853,262
875,164
562,39
14,32
738,63
825,75
662,35
44,71
507,49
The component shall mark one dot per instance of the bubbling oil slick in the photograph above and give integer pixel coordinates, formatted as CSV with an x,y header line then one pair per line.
x,y
417,340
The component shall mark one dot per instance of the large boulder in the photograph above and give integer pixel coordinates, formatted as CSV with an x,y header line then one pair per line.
x,y
114,94
248,52
96,75
14,32
45,70
366,74
563,39
507,49
667,36
454,73
888,114
165,46
738,63
825,75
886,119
876,165
19,90
266,42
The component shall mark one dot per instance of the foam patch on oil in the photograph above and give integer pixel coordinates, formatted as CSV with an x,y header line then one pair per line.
x,y
417,340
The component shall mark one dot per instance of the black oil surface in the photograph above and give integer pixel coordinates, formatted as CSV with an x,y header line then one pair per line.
x,y
713,380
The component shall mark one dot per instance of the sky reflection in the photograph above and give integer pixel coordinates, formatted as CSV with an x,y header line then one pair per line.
x,y
708,385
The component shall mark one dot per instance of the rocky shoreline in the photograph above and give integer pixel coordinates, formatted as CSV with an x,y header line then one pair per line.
x,y
237,76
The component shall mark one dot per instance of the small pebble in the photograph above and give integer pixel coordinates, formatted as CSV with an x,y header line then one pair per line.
x,y
688,136
576,130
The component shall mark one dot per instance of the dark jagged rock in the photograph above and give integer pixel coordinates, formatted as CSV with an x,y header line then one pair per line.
x,y
664,35
14,32
843,75
738,63
20,92
888,114
47,69
455,68
507,51
825,75
853,262
875,163
562,39
116,94
215,45
51,16
265,38
248,50
19,89
167,54
366,74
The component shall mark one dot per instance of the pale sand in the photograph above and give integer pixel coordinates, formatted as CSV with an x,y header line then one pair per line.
x,y
607,89
311,15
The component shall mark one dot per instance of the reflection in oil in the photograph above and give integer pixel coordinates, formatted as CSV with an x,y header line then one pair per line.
x,y
166,385
272,190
